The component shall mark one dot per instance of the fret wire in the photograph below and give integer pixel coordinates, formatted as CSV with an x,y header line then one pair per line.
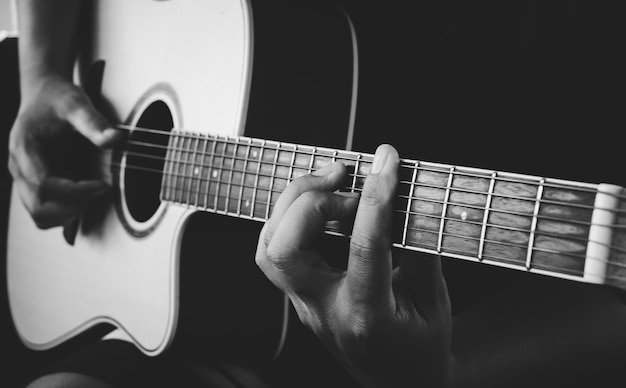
x,y
217,173
356,172
230,176
256,179
212,166
444,209
334,159
174,139
191,167
312,160
243,177
178,175
293,160
184,153
167,194
533,226
270,191
201,168
409,203
483,229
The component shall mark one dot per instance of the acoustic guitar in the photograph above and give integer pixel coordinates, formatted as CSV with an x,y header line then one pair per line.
x,y
193,83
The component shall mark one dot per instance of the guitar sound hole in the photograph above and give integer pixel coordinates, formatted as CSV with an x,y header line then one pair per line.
x,y
145,158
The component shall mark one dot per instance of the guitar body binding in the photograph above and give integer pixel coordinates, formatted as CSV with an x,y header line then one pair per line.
x,y
137,185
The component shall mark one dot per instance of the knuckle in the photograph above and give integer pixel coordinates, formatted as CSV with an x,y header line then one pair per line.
x,y
363,247
42,221
362,328
264,234
277,254
260,260
13,167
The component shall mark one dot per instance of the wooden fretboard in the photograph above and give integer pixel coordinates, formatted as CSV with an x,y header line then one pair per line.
x,y
560,228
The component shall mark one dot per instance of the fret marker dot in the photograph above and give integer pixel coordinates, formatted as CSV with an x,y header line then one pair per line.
x,y
464,216
254,154
247,204
214,174
196,171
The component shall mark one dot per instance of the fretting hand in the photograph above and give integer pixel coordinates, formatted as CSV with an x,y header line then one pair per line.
x,y
389,327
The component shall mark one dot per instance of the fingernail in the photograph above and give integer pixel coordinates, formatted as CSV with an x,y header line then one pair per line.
x,y
379,159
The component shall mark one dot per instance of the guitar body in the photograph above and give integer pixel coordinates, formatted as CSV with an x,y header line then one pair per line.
x,y
188,65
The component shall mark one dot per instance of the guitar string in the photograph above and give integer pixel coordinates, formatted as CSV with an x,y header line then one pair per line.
x,y
443,169
197,184
517,264
189,163
201,180
456,189
211,198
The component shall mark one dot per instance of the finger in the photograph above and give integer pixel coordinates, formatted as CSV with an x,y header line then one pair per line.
x,y
369,264
66,190
328,178
81,114
51,201
33,171
50,213
25,163
290,259
54,213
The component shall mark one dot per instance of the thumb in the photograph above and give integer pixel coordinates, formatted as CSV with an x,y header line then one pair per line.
x,y
85,118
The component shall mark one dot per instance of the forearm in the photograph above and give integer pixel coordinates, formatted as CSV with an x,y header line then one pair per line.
x,y
48,39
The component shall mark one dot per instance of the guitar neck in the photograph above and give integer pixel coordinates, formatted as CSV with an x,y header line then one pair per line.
x,y
554,227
